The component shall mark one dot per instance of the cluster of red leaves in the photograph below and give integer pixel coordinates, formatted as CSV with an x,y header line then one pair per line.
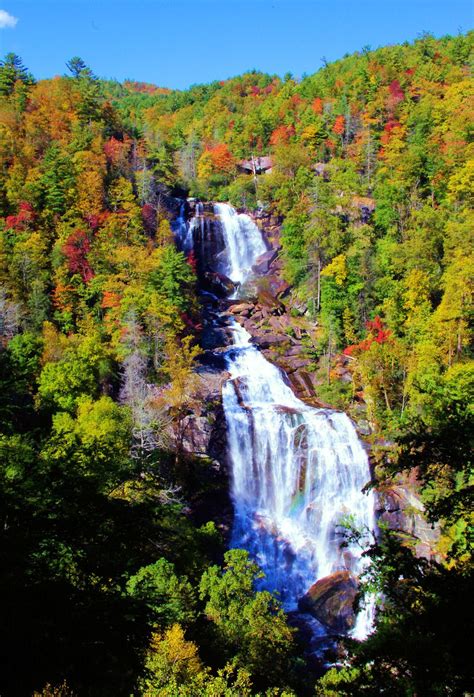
x,y
396,95
116,151
317,105
110,299
255,91
396,91
23,219
281,134
149,218
387,131
192,260
75,250
377,334
222,158
98,220
339,125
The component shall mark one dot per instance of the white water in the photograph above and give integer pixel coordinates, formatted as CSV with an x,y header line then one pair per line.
x,y
243,241
183,231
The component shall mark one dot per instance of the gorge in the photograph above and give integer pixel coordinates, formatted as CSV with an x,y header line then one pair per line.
x,y
296,472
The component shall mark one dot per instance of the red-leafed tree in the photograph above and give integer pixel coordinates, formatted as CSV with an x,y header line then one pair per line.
x,y
396,91
23,219
149,218
388,131
222,158
117,152
339,125
192,260
76,249
396,95
97,220
281,134
317,105
376,333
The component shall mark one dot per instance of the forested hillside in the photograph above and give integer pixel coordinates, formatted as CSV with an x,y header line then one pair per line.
x,y
111,585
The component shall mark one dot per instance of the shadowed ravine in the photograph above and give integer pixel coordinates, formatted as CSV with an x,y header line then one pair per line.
x,y
296,471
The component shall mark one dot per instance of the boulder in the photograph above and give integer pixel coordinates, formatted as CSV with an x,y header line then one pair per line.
x,y
293,363
268,340
295,350
241,309
269,301
304,383
277,286
330,600
263,262
279,322
363,427
218,283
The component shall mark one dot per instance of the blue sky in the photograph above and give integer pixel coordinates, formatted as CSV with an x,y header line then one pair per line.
x,y
175,43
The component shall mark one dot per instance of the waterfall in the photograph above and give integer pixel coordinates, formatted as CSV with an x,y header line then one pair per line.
x,y
182,231
295,470
243,242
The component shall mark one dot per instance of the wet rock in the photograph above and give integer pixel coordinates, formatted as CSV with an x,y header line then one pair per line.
x,y
264,261
218,283
363,427
268,300
330,600
304,383
204,431
241,309
268,340
213,337
277,286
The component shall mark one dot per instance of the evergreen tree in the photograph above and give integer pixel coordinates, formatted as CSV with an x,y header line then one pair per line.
x,y
12,70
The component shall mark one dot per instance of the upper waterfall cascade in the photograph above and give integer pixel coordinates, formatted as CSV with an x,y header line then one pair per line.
x,y
296,471
243,242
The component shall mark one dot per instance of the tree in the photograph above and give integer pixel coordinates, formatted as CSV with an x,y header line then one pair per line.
x,y
79,69
12,70
76,374
173,278
171,661
249,625
76,250
95,443
169,598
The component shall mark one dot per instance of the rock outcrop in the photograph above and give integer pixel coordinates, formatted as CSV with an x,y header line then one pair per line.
x,y
330,600
401,509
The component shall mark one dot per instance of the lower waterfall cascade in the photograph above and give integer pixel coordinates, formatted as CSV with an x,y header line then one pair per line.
x,y
296,470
